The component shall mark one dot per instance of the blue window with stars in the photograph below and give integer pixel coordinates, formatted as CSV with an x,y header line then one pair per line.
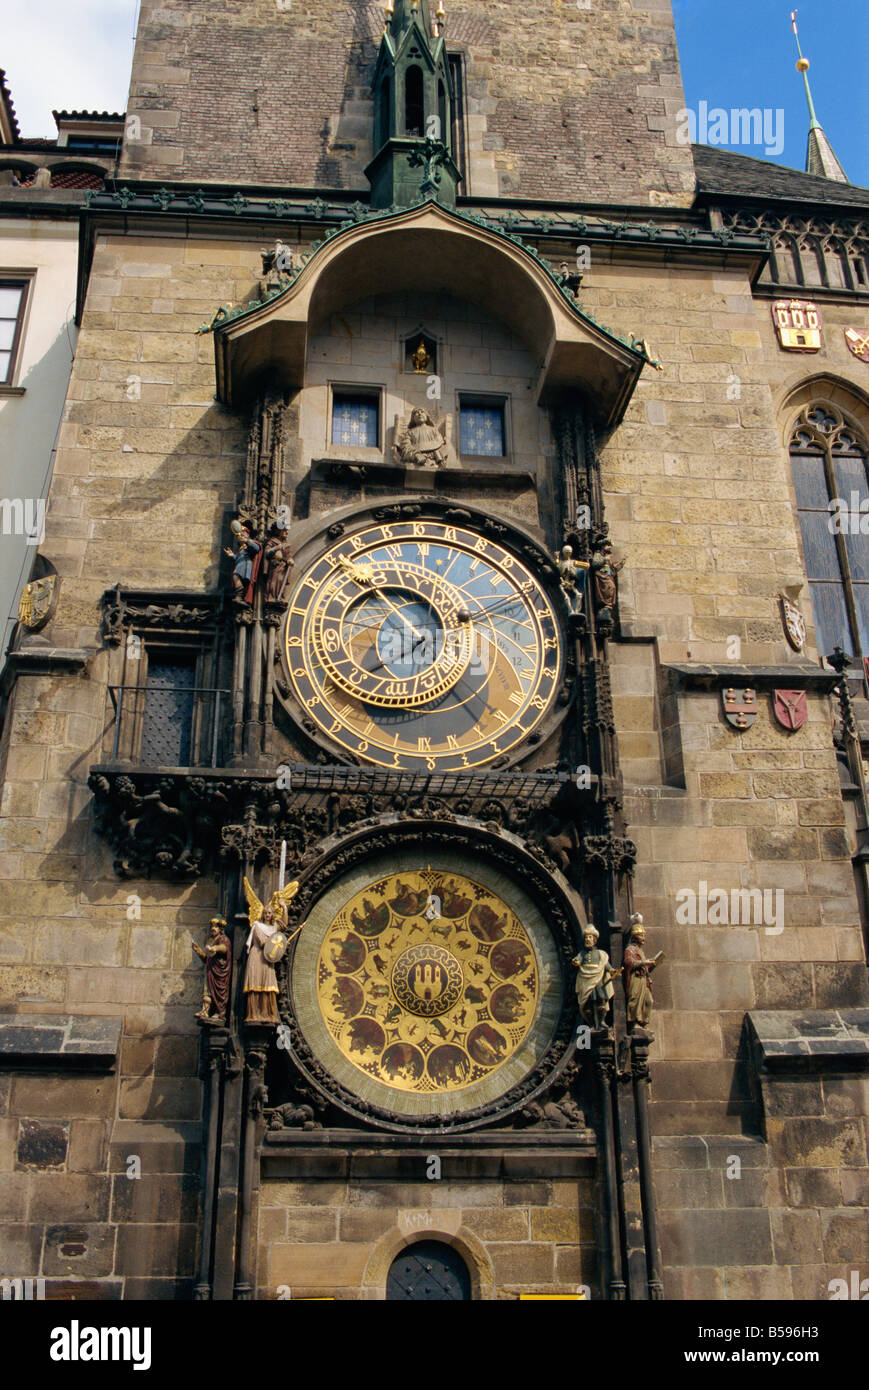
x,y
354,421
482,430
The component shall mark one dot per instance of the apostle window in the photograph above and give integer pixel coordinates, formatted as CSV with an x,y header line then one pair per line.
x,y
482,431
829,466
356,419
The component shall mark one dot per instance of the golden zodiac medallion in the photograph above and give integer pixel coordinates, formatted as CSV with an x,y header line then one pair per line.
x,y
427,981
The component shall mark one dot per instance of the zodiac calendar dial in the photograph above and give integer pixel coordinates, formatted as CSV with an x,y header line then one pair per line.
x,y
425,987
423,646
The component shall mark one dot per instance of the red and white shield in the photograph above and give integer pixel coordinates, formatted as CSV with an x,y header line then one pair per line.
x,y
791,708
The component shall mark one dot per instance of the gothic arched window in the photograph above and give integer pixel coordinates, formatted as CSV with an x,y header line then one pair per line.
x,y
829,466
414,102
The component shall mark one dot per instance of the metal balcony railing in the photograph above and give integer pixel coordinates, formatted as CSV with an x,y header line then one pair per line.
x,y
169,725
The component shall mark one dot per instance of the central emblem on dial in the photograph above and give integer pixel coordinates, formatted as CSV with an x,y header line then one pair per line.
x,y
427,980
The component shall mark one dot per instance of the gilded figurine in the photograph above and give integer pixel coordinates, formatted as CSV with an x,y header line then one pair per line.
x,y
260,980
573,574
594,979
420,443
638,969
421,359
606,578
246,558
217,954
277,561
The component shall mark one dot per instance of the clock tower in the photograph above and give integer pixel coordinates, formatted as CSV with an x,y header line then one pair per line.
x,y
429,711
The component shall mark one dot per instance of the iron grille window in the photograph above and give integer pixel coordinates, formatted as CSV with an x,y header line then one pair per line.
x,y
831,482
482,430
13,300
355,420
167,722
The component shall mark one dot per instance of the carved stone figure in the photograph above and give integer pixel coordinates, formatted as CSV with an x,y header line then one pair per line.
x,y
606,581
278,562
217,954
419,442
638,970
573,574
291,1116
278,266
594,987
260,980
246,558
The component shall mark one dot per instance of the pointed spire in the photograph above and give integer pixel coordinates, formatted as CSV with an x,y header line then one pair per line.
x,y
820,156
400,14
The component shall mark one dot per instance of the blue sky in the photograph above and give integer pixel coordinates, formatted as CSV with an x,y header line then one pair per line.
x,y
741,53
77,54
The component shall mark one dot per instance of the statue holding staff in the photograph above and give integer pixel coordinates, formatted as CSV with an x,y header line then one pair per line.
x,y
217,954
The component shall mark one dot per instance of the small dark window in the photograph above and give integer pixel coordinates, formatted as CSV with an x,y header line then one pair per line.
x,y
13,301
414,103
167,724
355,420
482,431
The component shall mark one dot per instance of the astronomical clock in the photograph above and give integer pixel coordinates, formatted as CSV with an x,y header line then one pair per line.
x,y
429,985
423,645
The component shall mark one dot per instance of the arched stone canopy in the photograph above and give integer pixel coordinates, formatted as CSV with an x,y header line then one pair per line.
x,y
429,249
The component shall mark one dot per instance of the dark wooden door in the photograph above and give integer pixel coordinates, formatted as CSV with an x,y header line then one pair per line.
x,y
428,1272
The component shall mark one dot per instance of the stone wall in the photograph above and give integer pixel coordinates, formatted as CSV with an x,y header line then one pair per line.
x,y
524,1222
562,102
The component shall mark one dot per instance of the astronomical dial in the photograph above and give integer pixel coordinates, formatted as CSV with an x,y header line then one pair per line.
x,y
432,988
423,646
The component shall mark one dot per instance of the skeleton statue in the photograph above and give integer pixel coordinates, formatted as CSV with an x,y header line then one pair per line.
x,y
573,574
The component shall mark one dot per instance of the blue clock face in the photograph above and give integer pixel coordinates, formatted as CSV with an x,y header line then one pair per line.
x,y
423,646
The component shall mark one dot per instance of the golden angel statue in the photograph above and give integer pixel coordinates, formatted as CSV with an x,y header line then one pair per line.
x,y
266,944
420,442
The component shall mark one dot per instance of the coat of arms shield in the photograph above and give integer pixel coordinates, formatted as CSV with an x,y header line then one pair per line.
x,y
37,602
791,708
275,948
740,706
794,624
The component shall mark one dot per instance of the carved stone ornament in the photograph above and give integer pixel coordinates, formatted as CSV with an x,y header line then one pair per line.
x,y
38,602
798,325
740,706
791,708
422,442
794,624
126,609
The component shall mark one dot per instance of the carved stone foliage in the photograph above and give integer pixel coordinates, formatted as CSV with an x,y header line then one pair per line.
x,y
179,826
125,610
547,889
